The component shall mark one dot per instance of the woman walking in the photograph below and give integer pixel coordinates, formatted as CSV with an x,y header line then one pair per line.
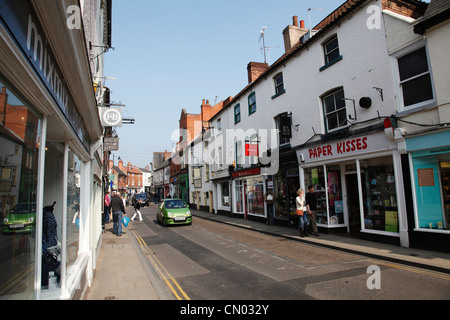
x,y
301,212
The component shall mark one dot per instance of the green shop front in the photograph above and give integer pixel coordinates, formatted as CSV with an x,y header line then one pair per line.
x,y
429,158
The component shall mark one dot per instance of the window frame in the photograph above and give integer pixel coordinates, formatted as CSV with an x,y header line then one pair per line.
x,y
326,55
335,111
279,88
236,115
401,98
251,110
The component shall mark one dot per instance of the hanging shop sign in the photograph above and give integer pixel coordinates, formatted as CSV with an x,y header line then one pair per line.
x,y
285,127
251,150
111,144
111,117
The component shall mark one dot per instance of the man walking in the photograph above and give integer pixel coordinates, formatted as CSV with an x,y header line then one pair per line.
x,y
137,207
311,207
118,211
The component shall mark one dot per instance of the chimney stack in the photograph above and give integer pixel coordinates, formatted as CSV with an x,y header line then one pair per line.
x,y
293,33
255,69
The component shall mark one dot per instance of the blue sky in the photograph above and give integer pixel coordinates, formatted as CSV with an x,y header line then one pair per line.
x,y
170,55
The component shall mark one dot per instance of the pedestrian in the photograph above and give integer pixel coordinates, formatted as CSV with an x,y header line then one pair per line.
x,y
137,207
301,212
311,207
118,211
106,206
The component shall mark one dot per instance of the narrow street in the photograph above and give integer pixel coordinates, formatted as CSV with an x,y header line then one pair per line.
x,y
215,261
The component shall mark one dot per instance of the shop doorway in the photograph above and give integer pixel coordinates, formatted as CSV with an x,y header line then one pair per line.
x,y
353,205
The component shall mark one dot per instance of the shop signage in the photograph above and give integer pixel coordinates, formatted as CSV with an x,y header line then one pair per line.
x,y
111,117
251,150
111,144
285,127
343,148
21,21
245,173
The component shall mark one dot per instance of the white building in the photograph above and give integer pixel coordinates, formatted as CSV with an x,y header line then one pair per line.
x,y
332,98
59,142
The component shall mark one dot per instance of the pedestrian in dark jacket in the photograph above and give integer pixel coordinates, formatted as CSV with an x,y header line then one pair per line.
x,y
118,211
137,207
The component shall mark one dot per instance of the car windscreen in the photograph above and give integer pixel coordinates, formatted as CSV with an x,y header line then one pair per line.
x,y
175,204
24,208
140,196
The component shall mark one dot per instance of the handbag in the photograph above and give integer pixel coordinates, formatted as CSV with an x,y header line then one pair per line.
x,y
126,221
299,212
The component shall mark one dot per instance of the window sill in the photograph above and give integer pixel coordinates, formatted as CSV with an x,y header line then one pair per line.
x,y
278,94
329,64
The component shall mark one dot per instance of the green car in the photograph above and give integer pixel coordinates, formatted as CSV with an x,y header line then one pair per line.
x,y
21,219
173,211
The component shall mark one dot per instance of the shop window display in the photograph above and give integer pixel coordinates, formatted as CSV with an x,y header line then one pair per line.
x,y
255,196
73,208
20,127
239,194
225,194
432,184
380,201
328,190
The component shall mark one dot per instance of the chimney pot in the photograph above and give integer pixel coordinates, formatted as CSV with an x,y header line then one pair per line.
x,y
295,21
302,24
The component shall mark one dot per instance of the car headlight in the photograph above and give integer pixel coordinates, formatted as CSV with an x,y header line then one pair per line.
x,y
5,221
188,214
169,214
30,219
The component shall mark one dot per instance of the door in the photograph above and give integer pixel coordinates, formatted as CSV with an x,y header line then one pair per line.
x,y
354,213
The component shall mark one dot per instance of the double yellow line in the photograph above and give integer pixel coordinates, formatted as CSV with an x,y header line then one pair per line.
x,y
159,267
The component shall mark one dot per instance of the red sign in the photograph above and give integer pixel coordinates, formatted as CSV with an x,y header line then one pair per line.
x,y
245,173
339,148
251,150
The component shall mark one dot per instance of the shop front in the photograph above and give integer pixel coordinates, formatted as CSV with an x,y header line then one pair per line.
x,y
357,182
50,174
430,174
284,185
248,194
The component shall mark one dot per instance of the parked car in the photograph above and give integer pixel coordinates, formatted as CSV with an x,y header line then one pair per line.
x,y
142,196
173,211
20,219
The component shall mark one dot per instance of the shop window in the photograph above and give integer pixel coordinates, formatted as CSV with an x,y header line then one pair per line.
x,y
19,139
379,194
73,209
334,110
432,185
52,221
239,194
415,78
328,189
224,194
255,196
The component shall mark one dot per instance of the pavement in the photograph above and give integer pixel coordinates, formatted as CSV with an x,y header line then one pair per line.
x,y
124,273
